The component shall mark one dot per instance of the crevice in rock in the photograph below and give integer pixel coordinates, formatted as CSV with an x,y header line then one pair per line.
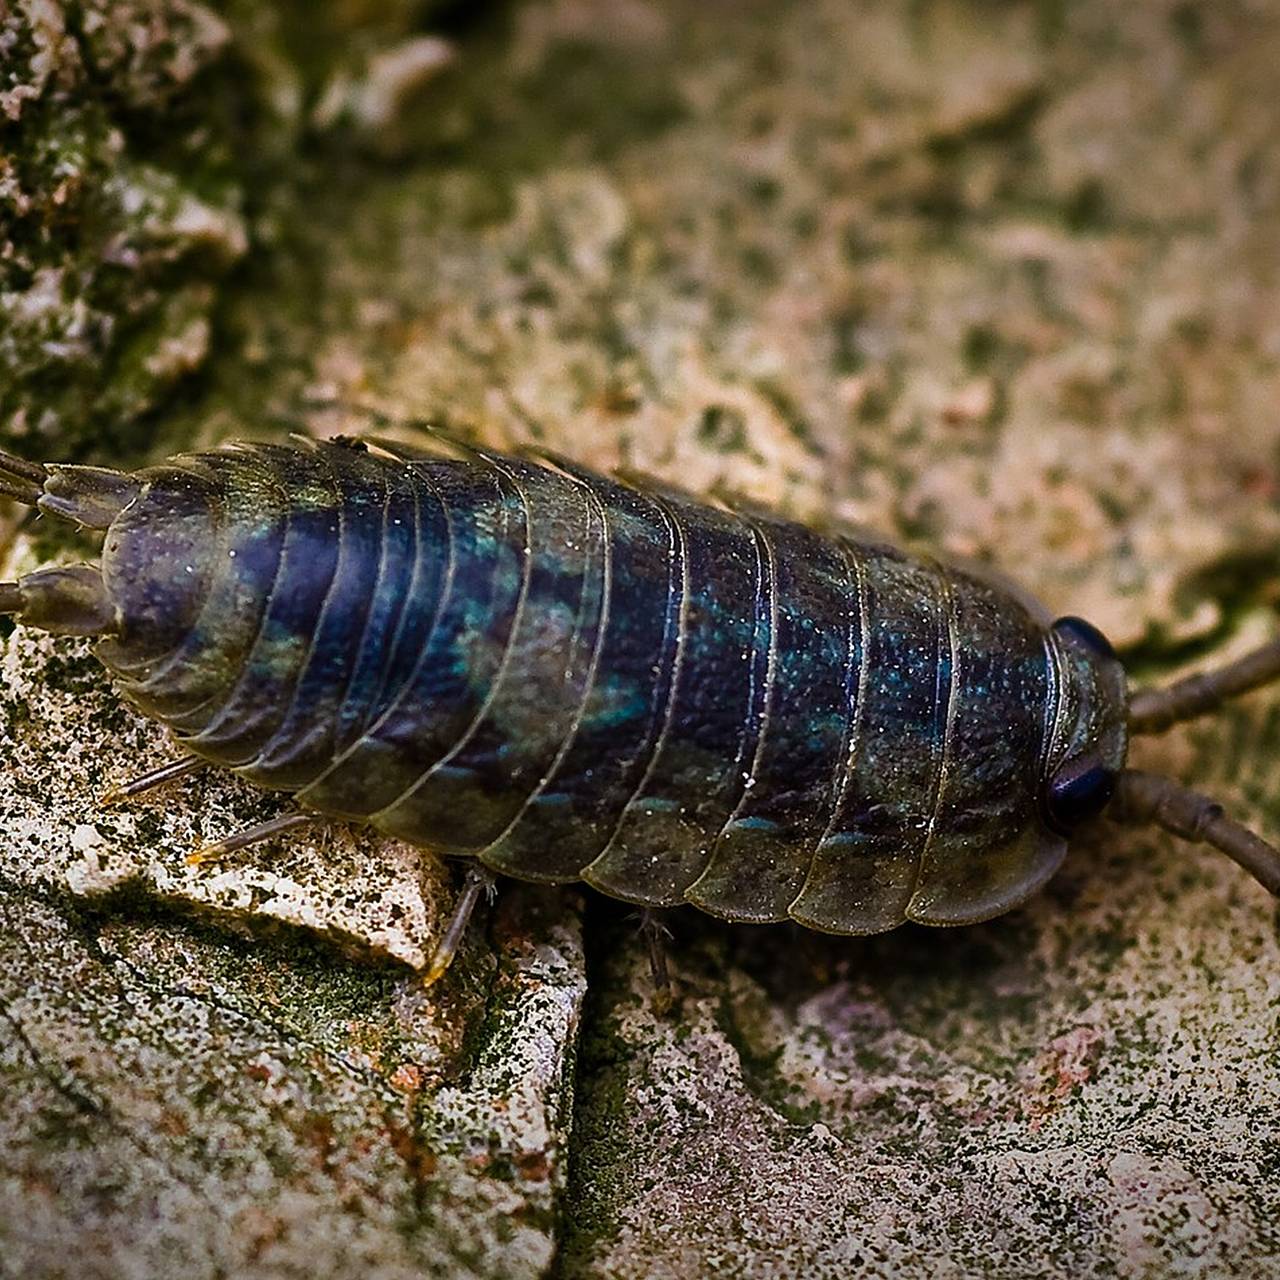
x,y
79,1098
592,1116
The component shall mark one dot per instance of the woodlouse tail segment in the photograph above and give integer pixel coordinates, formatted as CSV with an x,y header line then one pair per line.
x,y
1162,802
22,480
1155,710
71,601
87,496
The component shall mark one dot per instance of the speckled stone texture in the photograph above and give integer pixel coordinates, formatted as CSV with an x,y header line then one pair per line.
x,y
1000,278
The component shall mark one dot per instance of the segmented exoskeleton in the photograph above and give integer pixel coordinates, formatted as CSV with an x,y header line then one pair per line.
x,y
567,677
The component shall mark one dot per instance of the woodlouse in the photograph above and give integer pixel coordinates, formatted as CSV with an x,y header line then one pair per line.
x,y
565,676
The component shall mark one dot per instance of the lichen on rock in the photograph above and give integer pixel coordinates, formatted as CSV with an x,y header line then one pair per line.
x,y
118,216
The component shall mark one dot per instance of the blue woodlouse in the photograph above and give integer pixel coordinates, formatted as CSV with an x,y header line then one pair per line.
x,y
565,676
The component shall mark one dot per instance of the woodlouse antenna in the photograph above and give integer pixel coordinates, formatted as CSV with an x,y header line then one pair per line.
x,y
1155,710
1162,802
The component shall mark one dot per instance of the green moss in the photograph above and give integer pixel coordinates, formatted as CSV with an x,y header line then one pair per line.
x,y
982,345
723,429
599,1165
108,257
788,410
1088,210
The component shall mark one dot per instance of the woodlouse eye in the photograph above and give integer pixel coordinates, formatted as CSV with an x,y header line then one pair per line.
x,y
1087,634
1079,791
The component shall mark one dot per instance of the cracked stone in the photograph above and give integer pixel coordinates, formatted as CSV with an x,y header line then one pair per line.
x,y
178,1102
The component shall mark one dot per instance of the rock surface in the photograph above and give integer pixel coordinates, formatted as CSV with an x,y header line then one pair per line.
x,y
120,213
142,144
1000,278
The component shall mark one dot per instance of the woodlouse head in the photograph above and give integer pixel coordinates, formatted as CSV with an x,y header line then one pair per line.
x,y
1088,740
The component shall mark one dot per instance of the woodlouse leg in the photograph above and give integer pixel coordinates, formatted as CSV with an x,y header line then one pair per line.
x,y
655,935
1147,797
479,881
1154,710
180,768
251,836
